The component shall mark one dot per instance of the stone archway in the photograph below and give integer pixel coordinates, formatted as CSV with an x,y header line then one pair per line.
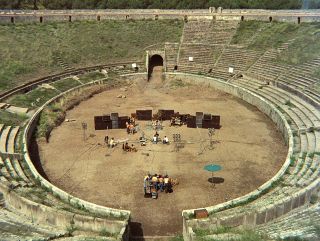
x,y
156,65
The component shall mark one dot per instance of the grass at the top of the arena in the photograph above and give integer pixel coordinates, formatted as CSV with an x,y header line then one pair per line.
x,y
8,118
259,35
34,98
65,84
306,44
31,50
89,77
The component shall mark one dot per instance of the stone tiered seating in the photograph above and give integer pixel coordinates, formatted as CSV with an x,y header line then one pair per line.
x,y
204,57
300,77
12,171
238,58
221,74
7,138
266,68
16,226
209,32
204,41
4,135
306,167
171,50
11,139
299,223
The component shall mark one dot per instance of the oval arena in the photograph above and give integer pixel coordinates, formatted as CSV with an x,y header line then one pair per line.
x,y
60,177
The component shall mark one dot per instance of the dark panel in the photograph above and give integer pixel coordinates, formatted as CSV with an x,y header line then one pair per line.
x,y
144,114
165,114
122,122
207,116
207,124
216,121
101,123
114,116
191,122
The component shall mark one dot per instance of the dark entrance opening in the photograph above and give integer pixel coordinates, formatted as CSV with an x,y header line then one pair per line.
x,y
41,19
299,20
70,18
12,19
270,19
242,18
155,61
175,67
98,18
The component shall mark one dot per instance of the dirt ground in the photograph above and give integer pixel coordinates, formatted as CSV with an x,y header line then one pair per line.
x,y
248,147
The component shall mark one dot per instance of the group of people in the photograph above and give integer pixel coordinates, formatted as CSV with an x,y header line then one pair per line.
x,y
110,142
131,126
176,121
157,125
156,139
154,183
128,148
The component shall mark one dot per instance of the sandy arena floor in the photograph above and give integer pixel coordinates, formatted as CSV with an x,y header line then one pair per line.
x,y
249,149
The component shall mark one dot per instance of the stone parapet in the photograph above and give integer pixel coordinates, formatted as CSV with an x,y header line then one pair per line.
x,y
24,16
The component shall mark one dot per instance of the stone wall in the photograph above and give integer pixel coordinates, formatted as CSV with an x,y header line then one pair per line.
x,y
59,218
17,16
249,219
111,224
255,217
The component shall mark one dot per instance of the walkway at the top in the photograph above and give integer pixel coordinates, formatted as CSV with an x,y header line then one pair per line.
x,y
138,14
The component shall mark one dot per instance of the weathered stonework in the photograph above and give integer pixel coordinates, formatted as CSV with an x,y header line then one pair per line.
x,y
296,16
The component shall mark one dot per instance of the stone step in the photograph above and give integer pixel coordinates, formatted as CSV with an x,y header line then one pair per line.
x,y
4,138
11,139
18,169
15,224
298,223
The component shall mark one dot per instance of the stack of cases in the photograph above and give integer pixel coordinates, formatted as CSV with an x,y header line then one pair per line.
x,y
216,121
191,122
115,119
165,114
102,122
199,118
144,114
207,121
122,122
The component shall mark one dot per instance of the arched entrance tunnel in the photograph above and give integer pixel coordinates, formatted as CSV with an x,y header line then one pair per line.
x,y
155,65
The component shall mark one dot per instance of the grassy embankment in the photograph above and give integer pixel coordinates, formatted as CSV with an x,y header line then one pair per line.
x,y
258,35
31,50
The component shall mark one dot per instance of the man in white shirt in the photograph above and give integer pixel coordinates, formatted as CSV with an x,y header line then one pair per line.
x,y
155,139
165,140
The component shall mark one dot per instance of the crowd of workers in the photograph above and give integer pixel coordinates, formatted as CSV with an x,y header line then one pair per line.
x,y
126,147
154,183
131,126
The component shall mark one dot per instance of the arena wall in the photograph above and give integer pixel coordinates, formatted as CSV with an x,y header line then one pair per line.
x,y
111,223
44,214
25,16
277,209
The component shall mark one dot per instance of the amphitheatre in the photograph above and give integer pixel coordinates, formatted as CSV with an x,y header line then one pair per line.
x,y
258,70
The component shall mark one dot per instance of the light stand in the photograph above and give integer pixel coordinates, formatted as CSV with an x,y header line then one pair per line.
x,y
176,140
211,132
84,128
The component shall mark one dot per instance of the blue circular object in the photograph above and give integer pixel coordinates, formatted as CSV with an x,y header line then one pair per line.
x,y
212,168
